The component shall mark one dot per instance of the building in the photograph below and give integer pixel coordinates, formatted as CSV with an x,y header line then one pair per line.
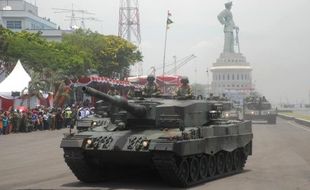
x,y
18,15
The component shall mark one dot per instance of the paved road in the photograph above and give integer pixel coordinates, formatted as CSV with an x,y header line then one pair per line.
x,y
280,161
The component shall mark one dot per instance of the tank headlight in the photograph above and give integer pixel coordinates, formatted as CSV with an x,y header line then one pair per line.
x,y
252,112
227,115
145,143
89,141
94,123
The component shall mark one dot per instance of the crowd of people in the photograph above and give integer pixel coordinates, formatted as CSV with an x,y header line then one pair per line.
x,y
43,118
40,118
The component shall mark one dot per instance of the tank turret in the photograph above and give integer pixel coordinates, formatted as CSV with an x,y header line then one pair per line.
x,y
135,109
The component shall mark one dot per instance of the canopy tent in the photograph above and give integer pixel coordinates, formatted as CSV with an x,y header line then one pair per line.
x,y
86,80
16,81
160,80
167,83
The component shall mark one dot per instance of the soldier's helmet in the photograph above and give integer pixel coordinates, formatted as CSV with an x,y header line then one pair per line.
x,y
150,78
112,87
184,80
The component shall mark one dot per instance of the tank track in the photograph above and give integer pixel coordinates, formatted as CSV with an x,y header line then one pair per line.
x,y
191,170
80,168
272,120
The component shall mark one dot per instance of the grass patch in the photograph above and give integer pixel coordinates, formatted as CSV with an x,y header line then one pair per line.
x,y
296,115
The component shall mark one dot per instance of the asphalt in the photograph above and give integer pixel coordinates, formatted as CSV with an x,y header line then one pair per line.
x,y
280,161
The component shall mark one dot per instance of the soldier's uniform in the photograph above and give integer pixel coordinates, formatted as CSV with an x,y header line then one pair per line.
x,y
151,88
184,91
136,92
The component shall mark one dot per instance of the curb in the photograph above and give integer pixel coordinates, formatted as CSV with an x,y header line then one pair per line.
x,y
296,120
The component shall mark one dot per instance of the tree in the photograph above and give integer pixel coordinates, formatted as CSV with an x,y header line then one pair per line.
x,y
80,53
108,53
3,48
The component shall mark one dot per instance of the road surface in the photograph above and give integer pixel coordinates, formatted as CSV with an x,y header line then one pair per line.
x,y
280,161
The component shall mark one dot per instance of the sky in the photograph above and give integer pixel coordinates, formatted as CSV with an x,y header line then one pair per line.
x,y
274,37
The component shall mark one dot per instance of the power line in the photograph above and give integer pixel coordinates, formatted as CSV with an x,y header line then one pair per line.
x,y
73,16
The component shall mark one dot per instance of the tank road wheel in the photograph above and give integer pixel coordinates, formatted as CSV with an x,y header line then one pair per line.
x,y
194,169
212,166
203,167
243,158
220,162
237,159
183,173
229,161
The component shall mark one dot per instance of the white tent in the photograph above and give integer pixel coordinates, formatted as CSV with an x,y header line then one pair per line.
x,y
16,81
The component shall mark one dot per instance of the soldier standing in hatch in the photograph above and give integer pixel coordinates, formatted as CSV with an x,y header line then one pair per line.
x,y
184,91
151,88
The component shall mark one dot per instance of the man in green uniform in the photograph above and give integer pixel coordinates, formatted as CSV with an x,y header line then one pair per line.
x,y
151,88
184,91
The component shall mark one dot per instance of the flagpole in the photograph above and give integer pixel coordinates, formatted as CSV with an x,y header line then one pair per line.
x,y
165,47
164,59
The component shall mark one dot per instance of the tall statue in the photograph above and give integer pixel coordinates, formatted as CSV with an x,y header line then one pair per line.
x,y
226,19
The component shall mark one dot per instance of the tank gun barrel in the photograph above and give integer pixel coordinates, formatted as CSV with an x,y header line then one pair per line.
x,y
135,109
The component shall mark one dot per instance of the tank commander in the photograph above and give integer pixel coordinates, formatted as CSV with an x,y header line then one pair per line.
x,y
151,88
184,91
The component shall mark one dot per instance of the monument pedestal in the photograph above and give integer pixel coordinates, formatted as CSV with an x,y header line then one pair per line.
x,y
231,74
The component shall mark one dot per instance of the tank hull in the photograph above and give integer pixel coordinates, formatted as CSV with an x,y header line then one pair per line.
x,y
270,118
166,155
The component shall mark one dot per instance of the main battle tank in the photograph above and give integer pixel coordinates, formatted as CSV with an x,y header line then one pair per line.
x,y
257,108
225,107
178,138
